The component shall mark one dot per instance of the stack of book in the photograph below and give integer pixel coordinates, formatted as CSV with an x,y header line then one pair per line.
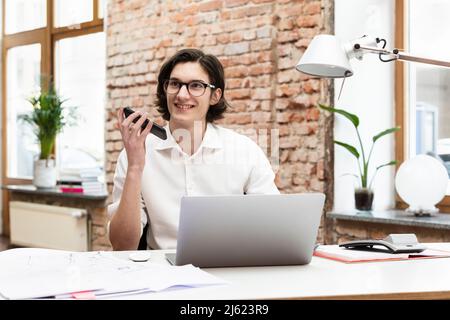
x,y
83,180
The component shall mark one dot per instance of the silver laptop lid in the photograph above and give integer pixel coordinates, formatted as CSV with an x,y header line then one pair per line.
x,y
248,230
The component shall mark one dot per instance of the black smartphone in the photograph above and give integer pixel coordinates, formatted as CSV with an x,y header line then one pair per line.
x,y
157,130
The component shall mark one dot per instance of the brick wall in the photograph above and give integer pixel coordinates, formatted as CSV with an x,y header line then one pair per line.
x,y
259,42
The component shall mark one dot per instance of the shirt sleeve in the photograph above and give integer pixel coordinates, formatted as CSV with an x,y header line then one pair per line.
x,y
119,180
262,177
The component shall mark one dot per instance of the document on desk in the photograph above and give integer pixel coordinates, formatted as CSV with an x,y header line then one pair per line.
x,y
36,273
334,252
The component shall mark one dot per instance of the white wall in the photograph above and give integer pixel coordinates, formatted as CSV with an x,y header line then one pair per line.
x,y
369,94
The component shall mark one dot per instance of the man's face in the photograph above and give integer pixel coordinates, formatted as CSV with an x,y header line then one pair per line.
x,y
184,108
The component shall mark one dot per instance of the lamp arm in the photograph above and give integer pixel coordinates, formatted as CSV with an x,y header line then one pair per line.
x,y
397,55
376,50
408,57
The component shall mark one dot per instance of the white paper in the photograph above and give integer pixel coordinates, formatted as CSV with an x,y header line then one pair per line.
x,y
33,273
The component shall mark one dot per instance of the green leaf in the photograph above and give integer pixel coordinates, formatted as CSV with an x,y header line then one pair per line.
x,y
46,118
349,174
350,116
391,163
385,132
350,148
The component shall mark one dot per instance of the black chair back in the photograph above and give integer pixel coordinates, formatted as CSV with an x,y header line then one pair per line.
x,y
143,241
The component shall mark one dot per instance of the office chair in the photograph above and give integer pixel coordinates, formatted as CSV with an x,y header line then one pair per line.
x,y
143,241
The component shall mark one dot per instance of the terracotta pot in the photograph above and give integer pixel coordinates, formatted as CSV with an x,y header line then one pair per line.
x,y
363,199
44,174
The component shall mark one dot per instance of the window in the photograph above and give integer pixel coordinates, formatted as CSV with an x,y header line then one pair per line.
x,y
24,15
23,65
423,94
67,44
71,12
80,75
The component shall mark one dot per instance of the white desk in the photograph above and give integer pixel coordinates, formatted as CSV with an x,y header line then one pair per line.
x,y
322,279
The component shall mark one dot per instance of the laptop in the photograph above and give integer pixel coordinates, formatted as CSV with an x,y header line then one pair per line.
x,y
247,230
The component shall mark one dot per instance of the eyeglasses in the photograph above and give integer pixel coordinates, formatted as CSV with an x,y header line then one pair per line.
x,y
195,88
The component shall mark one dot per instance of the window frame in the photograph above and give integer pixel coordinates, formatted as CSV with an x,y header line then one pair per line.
x,y
401,101
47,37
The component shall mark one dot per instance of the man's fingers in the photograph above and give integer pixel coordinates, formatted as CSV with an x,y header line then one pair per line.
x,y
138,124
126,123
147,128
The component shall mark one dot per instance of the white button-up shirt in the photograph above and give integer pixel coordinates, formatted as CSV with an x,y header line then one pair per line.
x,y
225,163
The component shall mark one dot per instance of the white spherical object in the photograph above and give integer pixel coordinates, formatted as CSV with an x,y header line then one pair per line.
x,y
421,182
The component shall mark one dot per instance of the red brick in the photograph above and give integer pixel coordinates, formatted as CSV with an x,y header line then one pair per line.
x,y
265,56
238,94
308,21
238,118
288,36
310,86
236,72
263,44
233,83
178,17
223,38
190,9
239,106
281,104
225,15
235,3
260,69
261,116
238,13
237,37
312,8
286,90
262,94
263,81
266,105
289,142
291,11
312,114
286,24
210,5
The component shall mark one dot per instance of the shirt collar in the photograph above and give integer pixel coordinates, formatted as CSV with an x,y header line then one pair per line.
x,y
210,140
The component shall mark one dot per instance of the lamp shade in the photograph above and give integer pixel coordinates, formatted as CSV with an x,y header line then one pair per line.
x,y
325,57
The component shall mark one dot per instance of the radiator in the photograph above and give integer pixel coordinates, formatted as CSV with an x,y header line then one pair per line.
x,y
45,226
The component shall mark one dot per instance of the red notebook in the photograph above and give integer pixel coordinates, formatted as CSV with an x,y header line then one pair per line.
x,y
334,252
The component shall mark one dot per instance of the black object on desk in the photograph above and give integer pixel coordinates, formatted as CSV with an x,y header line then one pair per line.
x,y
394,243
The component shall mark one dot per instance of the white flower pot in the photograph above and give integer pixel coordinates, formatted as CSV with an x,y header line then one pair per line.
x,y
44,174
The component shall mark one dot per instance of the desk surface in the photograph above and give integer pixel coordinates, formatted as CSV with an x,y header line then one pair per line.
x,y
321,279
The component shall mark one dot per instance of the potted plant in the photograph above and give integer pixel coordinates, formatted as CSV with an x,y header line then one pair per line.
x,y
364,193
47,119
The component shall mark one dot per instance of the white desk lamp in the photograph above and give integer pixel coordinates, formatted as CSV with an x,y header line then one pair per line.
x,y
326,57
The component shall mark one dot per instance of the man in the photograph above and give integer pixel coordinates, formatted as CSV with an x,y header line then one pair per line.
x,y
198,157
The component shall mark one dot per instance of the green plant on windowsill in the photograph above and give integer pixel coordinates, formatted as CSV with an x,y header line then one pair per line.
x,y
47,118
363,194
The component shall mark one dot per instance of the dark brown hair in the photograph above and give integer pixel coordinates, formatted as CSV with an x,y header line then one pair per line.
x,y
213,68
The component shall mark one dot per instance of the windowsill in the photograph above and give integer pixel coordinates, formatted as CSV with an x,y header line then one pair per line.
x,y
30,189
394,217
